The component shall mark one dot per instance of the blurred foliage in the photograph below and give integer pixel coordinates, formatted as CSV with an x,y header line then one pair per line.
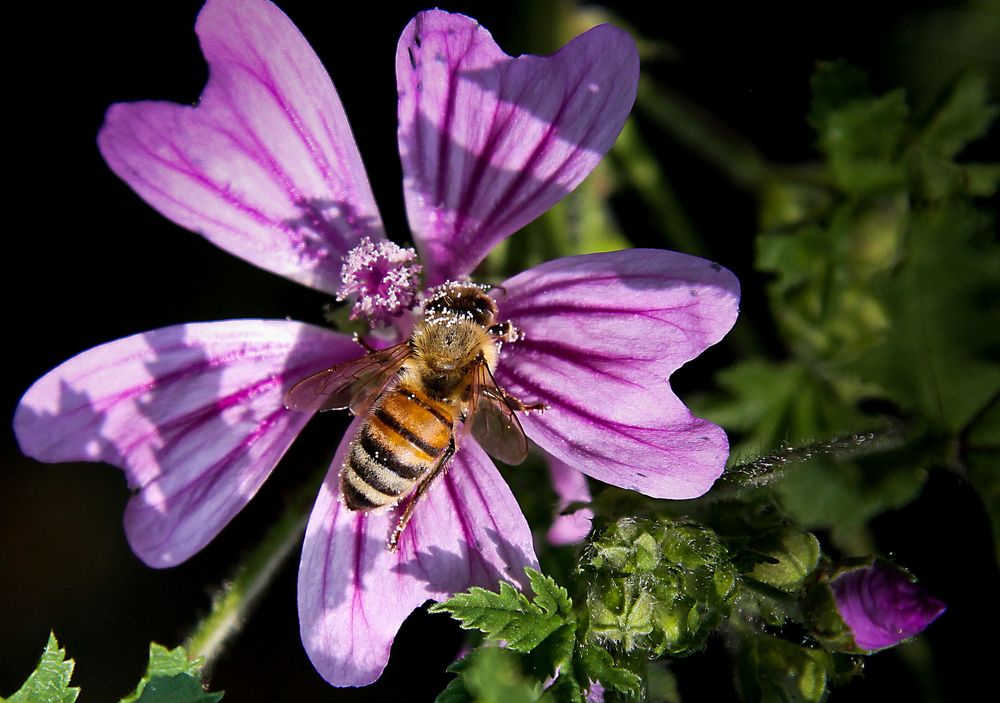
x,y
886,290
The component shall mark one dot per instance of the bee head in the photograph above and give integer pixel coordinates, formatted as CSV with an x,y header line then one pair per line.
x,y
460,301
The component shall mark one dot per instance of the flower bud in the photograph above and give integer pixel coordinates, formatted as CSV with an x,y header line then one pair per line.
x,y
660,585
869,607
792,556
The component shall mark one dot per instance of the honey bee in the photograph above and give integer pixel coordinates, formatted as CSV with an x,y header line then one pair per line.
x,y
415,394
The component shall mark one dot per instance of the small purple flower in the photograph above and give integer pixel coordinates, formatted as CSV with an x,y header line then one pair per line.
x,y
266,167
883,606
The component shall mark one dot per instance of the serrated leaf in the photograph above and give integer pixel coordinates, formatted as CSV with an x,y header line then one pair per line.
x,y
549,595
49,682
509,616
596,664
171,677
554,652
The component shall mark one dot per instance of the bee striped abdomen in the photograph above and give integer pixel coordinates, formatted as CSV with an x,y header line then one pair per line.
x,y
405,436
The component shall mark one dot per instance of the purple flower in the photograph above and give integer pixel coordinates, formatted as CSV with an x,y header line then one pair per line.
x,y
265,166
883,606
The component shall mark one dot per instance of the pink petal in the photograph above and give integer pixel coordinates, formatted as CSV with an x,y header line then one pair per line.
x,y
192,413
354,593
603,333
571,487
265,166
490,142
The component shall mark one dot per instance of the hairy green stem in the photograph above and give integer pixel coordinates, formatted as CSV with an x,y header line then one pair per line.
x,y
766,469
239,594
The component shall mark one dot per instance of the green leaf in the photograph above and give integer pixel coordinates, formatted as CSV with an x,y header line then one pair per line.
x,y
963,116
509,615
549,595
982,460
171,678
863,143
984,474
554,652
49,682
835,84
492,675
940,356
771,403
455,691
775,671
823,296
597,664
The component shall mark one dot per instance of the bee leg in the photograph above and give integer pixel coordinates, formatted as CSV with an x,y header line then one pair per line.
x,y
506,332
421,489
519,405
361,340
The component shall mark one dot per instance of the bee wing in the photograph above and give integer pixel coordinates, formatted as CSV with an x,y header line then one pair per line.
x,y
492,419
353,384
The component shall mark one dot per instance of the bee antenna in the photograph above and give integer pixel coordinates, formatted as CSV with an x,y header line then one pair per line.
x,y
493,286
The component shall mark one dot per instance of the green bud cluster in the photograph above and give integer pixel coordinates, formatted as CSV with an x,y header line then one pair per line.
x,y
658,585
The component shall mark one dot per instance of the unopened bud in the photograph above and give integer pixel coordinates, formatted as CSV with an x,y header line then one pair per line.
x,y
790,557
869,606
661,585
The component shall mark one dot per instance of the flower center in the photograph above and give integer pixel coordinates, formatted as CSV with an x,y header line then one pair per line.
x,y
382,278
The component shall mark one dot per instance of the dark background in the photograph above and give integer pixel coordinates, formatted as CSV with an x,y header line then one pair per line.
x,y
89,262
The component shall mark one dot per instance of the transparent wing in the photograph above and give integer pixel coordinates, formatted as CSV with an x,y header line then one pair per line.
x,y
353,384
492,419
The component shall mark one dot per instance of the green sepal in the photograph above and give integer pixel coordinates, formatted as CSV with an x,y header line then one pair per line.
x,y
49,682
789,557
171,677
820,607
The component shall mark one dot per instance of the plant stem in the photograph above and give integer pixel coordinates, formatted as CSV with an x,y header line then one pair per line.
x,y
640,170
701,132
239,594
765,470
